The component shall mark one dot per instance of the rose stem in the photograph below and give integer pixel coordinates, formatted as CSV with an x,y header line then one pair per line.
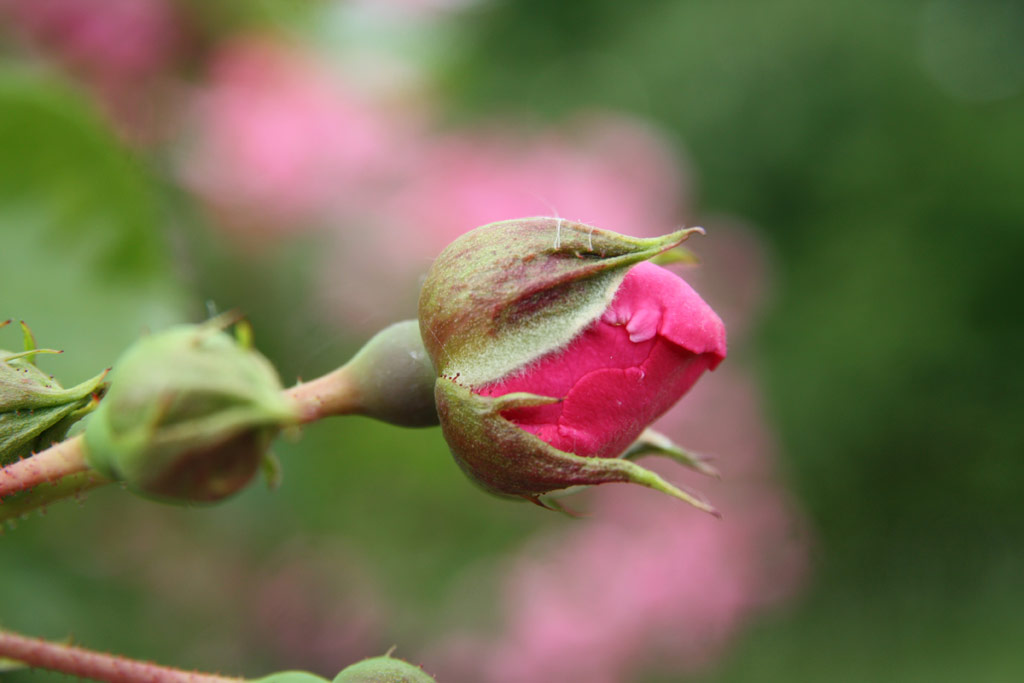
x,y
99,666
336,393
59,460
60,471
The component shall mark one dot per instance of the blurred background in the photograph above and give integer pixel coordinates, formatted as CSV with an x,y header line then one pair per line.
x,y
858,167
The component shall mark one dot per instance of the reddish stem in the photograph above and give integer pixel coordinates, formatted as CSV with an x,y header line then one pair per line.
x,y
336,393
99,666
57,461
64,468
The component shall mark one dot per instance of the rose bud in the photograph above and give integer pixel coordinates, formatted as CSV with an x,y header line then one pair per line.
x,y
555,347
35,411
383,669
291,677
189,415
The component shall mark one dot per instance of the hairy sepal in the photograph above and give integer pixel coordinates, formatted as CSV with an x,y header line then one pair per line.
x,y
507,293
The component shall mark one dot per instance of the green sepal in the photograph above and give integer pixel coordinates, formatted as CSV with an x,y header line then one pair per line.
x,y
35,410
505,459
28,339
651,442
383,669
519,399
505,294
291,677
272,471
23,386
678,255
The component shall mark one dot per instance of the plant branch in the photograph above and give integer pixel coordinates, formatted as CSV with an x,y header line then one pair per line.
x,y
51,492
59,460
336,393
56,473
61,471
44,654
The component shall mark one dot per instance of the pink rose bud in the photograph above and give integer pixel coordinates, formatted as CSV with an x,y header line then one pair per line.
x,y
555,347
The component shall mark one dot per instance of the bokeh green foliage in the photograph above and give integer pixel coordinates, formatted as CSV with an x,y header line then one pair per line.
x,y
76,210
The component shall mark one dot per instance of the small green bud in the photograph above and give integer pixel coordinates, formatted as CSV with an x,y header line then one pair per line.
x,y
35,411
291,677
383,669
189,416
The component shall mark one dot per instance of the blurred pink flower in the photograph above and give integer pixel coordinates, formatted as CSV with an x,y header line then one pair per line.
x,y
317,608
645,583
605,170
649,585
311,604
119,48
278,141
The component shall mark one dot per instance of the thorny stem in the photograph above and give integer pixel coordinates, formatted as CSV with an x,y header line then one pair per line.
x,y
59,460
61,471
58,472
99,666
50,492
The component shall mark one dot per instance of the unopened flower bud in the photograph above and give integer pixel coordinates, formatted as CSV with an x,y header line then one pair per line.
x,y
555,347
35,411
189,416
384,669
291,677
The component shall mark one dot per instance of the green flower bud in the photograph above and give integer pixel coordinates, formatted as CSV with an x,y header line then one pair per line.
x,y
291,677
189,416
35,411
383,669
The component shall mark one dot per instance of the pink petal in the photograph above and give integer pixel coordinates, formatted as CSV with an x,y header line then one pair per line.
x,y
625,370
